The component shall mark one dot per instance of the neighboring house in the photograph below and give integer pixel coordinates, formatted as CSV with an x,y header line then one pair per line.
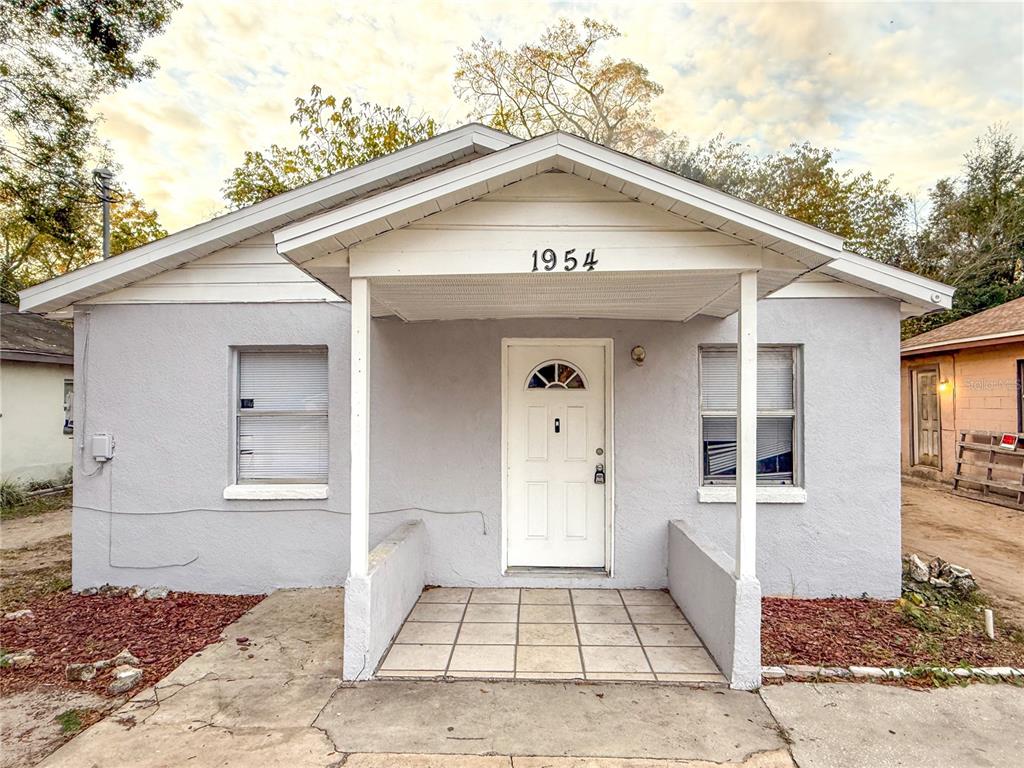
x,y
492,362
965,376
36,379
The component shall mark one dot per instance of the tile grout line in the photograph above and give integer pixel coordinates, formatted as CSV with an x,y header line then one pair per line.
x,y
643,647
515,648
458,631
579,640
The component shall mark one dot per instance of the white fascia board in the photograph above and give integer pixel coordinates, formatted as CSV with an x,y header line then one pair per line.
x,y
714,201
891,281
966,340
200,240
296,241
292,239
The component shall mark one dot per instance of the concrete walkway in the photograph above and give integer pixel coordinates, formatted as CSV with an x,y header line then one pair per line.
x,y
276,699
864,725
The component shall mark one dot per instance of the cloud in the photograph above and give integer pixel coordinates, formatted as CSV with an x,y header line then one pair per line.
x,y
897,89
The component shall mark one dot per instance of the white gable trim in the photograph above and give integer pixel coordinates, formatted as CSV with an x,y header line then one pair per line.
x,y
341,227
336,230
232,228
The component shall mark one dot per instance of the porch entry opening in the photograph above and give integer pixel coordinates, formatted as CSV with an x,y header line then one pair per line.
x,y
558,453
927,429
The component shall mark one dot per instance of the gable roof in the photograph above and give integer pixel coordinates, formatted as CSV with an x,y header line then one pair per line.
x,y
645,182
35,339
422,158
437,174
634,178
999,324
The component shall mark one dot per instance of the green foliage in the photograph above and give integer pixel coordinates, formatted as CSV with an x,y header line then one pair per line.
x,y
333,136
11,494
17,504
29,256
803,182
70,721
59,56
560,83
973,238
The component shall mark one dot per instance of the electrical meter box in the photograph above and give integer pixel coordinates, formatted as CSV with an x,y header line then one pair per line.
x,y
102,445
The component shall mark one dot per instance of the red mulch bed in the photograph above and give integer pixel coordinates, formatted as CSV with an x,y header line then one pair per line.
x,y
841,632
70,628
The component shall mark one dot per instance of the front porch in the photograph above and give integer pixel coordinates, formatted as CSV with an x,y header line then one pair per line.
x,y
549,634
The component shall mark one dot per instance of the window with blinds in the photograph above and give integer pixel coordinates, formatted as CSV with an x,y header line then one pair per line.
x,y
282,430
777,415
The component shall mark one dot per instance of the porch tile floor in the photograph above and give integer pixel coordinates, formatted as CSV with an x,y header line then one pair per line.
x,y
549,634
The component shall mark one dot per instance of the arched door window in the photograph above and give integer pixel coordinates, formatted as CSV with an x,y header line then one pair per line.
x,y
555,374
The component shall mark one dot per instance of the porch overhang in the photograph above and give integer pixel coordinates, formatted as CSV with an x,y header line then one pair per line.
x,y
425,271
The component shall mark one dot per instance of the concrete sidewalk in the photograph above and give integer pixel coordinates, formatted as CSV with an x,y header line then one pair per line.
x,y
865,725
276,699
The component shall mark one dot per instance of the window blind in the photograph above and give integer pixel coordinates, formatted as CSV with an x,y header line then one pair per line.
x,y
282,416
776,407
774,379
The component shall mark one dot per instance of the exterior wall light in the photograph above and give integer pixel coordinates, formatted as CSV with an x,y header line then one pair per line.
x,y
639,354
945,385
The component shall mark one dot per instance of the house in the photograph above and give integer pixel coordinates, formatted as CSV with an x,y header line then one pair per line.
x,y
488,362
36,380
965,376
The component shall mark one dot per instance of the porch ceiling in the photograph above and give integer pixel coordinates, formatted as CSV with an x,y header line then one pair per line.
x,y
655,295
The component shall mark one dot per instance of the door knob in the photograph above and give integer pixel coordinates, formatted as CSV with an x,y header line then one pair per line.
x,y
599,474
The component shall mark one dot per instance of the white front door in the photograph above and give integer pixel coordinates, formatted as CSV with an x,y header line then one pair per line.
x,y
556,504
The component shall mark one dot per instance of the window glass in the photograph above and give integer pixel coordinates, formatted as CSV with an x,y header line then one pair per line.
x,y
555,375
776,415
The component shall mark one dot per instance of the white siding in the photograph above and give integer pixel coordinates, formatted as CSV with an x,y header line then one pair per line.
x,y
252,271
651,264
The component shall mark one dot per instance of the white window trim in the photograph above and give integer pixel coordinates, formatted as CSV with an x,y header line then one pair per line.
x,y
798,434
268,492
766,494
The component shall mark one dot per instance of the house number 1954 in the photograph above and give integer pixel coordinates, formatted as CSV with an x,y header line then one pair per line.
x,y
548,260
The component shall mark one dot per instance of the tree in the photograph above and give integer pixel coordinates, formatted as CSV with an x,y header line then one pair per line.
x,y
973,237
804,182
29,257
333,136
559,83
58,57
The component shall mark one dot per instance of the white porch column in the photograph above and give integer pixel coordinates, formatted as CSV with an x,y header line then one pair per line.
x,y
746,428
360,428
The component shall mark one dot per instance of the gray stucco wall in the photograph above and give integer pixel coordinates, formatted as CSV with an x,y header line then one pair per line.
x,y
158,377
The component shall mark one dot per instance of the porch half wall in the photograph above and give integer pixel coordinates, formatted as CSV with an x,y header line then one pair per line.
x,y
159,378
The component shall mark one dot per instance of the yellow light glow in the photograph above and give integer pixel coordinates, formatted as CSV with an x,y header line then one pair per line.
x,y
944,385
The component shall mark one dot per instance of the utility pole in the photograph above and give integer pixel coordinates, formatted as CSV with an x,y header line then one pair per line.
x,y
101,180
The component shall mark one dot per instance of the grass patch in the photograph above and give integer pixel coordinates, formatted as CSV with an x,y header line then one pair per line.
x,y
17,505
70,721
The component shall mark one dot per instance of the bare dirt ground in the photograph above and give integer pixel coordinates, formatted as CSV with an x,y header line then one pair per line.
x,y
987,538
24,532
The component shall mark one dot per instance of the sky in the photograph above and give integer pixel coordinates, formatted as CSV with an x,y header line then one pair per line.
x,y
896,89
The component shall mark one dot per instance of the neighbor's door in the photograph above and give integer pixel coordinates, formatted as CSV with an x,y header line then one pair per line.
x,y
927,430
556,438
